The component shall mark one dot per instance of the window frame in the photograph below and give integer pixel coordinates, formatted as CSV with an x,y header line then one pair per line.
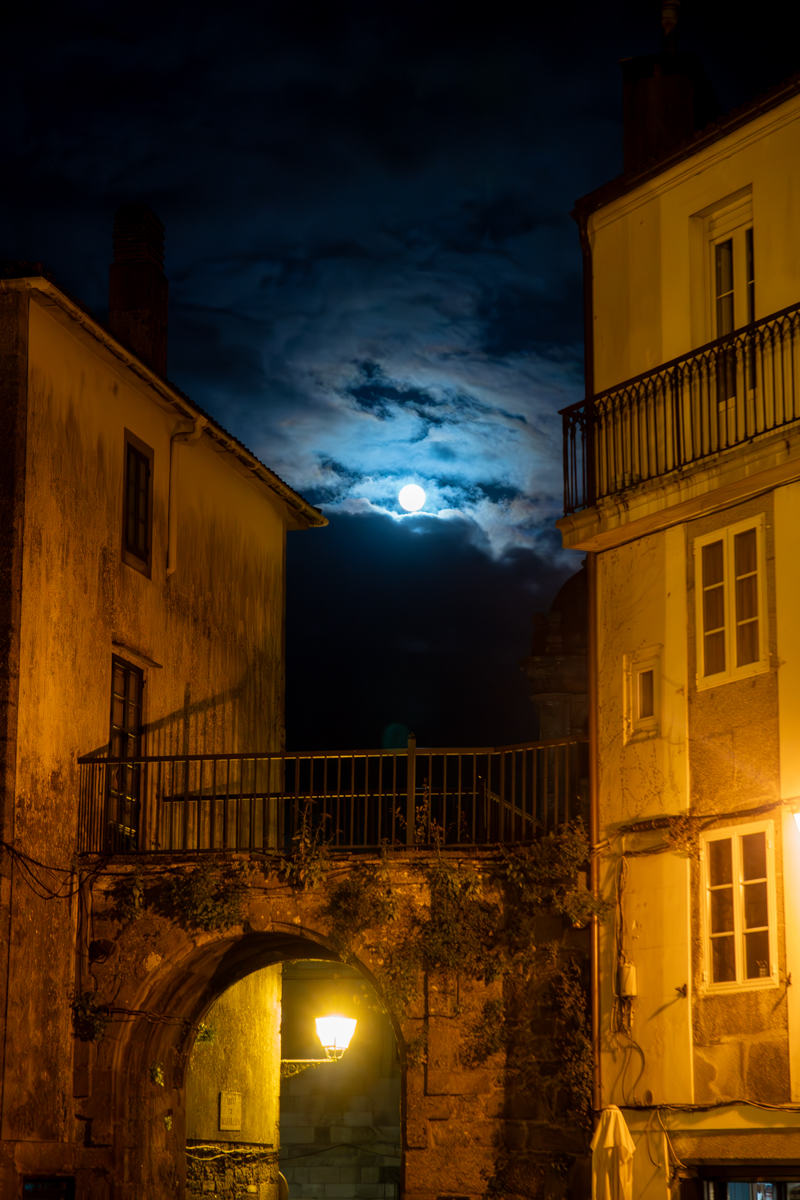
x,y
124,785
726,535
727,217
734,834
729,220
142,564
637,727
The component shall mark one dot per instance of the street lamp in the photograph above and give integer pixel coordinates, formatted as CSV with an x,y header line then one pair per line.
x,y
335,1033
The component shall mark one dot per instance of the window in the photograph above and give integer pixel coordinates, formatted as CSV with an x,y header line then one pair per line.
x,y
740,907
137,505
124,782
643,690
732,265
729,582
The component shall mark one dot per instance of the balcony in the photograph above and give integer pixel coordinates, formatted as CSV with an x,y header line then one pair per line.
x,y
362,800
726,394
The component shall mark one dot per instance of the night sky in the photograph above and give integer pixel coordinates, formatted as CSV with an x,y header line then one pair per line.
x,y
374,280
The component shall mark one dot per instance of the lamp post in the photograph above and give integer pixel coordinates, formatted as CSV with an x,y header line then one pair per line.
x,y
335,1033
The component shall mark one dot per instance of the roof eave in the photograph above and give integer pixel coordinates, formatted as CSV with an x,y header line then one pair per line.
x,y
301,514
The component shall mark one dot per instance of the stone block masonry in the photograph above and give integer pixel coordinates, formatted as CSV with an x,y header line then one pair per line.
x,y
230,1171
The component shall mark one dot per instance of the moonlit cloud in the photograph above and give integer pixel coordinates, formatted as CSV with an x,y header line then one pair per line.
x,y
372,373
373,278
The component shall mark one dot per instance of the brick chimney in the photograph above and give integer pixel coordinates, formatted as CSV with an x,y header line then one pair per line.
x,y
138,287
666,97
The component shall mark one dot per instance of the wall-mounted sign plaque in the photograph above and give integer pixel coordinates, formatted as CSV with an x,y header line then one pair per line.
x,y
230,1110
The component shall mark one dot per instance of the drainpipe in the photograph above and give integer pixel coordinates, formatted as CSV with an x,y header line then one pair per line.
x,y
183,435
581,216
594,831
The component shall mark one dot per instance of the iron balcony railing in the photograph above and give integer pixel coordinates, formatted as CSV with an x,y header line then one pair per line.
x,y
361,800
723,395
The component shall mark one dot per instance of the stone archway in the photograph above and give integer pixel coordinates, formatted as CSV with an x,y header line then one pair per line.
x,y
157,974
160,978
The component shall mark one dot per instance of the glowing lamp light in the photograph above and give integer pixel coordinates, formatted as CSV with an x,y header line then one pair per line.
x,y
411,497
335,1033
797,819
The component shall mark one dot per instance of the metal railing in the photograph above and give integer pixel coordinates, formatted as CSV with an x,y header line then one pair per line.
x,y
720,396
360,800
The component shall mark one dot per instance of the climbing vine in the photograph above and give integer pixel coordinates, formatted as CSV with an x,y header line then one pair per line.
x,y
501,924
212,896
683,833
309,861
501,921
90,1017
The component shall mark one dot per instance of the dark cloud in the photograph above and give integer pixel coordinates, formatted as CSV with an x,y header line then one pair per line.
x,y
374,277
439,659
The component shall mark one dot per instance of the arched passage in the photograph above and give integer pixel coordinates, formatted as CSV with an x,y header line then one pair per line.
x,y
147,1052
158,974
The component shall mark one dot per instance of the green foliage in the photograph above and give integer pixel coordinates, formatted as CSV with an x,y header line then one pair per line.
x,y
212,895
400,965
157,1073
487,1036
548,876
547,1037
90,1017
417,1050
206,1035
461,931
309,861
363,899
129,897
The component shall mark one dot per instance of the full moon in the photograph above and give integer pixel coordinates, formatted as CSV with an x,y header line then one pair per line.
x,y
411,497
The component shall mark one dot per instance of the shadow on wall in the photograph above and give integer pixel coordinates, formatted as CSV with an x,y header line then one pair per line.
x,y
226,722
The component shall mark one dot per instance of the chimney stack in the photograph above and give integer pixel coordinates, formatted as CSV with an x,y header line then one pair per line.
x,y
667,97
138,288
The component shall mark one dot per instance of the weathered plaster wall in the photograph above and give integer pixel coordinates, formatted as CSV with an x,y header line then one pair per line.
x,y
244,1057
642,611
787,589
215,626
741,1046
651,281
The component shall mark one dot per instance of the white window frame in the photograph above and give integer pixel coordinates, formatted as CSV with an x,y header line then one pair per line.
x,y
734,833
726,536
729,217
637,727
729,224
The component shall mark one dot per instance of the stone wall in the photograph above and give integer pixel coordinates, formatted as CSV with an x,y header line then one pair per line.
x,y
340,1122
161,976
230,1171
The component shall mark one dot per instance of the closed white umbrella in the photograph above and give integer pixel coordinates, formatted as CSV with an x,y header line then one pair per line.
x,y
612,1157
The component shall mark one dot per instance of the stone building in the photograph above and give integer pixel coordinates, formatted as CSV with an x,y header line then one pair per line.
x,y
683,488
142,560
163,856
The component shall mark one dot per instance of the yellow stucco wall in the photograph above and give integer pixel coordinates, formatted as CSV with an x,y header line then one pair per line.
x,y
215,626
716,750
245,1025
722,751
649,257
